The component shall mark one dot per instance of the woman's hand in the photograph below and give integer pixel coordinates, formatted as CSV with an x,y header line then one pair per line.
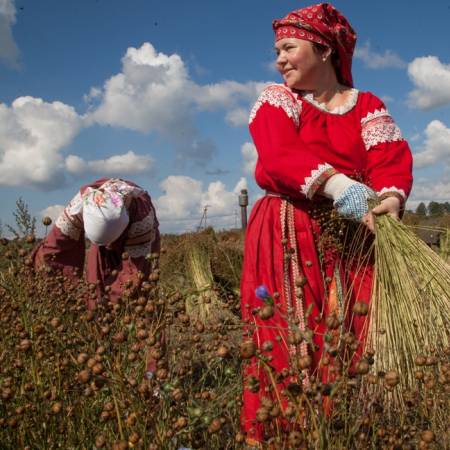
x,y
353,202
389,205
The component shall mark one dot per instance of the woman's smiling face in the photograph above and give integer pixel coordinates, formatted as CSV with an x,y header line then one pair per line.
x,y
299,63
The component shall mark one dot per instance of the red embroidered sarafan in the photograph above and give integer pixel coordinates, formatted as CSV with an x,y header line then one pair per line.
x,y
300,144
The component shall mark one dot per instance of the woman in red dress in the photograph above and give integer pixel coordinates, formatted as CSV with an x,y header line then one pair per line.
x,y
322,145
118,218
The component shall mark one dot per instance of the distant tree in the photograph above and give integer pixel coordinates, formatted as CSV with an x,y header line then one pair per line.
x,y
447,207
25,222
421,209
435,209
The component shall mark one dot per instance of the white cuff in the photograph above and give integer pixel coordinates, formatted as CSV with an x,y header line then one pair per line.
x,y
336,185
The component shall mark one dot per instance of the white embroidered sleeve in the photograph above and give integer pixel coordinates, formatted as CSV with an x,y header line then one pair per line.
x,y
141,236
279,96
69,221
142,226
69,225
379,127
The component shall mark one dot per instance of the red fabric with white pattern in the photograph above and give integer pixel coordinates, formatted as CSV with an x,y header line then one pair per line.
x,y
323,24
300,145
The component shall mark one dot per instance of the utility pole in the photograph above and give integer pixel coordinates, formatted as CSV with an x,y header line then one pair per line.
x,y
243,203
204,217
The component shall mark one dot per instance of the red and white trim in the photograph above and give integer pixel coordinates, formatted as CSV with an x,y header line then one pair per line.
x,y
316,179
279,96
392,189
379,127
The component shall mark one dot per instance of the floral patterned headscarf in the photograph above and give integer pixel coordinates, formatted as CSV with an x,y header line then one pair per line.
x,y
325,25
104,211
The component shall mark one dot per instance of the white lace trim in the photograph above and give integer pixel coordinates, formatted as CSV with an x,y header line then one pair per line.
x,y
142,226
375,115
339,110
75,205
379,127
310,181
279,96
392,189
67,227
136,251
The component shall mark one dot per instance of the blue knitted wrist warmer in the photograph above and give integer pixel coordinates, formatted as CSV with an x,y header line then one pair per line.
x,y
353,202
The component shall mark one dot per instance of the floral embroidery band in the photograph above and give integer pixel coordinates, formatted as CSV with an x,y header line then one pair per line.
x,y
279,96
379,127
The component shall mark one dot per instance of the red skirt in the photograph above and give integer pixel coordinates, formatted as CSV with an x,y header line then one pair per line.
x,y
288,250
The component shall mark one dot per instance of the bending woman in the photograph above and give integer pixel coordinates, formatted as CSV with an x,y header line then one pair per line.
x,y
324,149
118,218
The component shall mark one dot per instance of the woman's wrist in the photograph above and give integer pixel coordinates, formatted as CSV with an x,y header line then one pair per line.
x,y
334,187
386,195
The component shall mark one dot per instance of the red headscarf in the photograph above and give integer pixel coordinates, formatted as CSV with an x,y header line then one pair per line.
x,y
324,24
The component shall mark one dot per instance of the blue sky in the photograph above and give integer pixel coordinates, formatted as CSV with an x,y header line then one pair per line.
x,y
159,93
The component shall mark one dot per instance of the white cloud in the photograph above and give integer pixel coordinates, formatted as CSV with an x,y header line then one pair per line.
x,y
271,66
147,95
436,146
32,133
154,92
415,137
226,94
9,53
181,206
221,201
427,190
374,60
116,165
432,82
237,117
249,157
387,99
94,93
52,211
182,197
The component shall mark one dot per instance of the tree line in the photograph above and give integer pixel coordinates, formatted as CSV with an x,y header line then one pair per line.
x,y
433,209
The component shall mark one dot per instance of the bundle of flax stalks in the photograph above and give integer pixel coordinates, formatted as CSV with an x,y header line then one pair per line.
x,y
205,302
410,307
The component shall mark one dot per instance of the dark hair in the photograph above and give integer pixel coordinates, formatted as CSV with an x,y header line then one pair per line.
x,y
321,48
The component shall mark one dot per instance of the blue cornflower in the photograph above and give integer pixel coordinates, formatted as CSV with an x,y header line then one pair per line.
x,y
262,292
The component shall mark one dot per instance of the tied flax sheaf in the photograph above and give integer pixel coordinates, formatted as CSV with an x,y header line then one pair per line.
x,y
409,313
408,322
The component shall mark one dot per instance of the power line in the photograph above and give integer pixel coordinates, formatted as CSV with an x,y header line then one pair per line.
x,y
193,219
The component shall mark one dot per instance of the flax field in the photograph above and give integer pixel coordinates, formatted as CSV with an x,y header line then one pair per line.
x,y
76,379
